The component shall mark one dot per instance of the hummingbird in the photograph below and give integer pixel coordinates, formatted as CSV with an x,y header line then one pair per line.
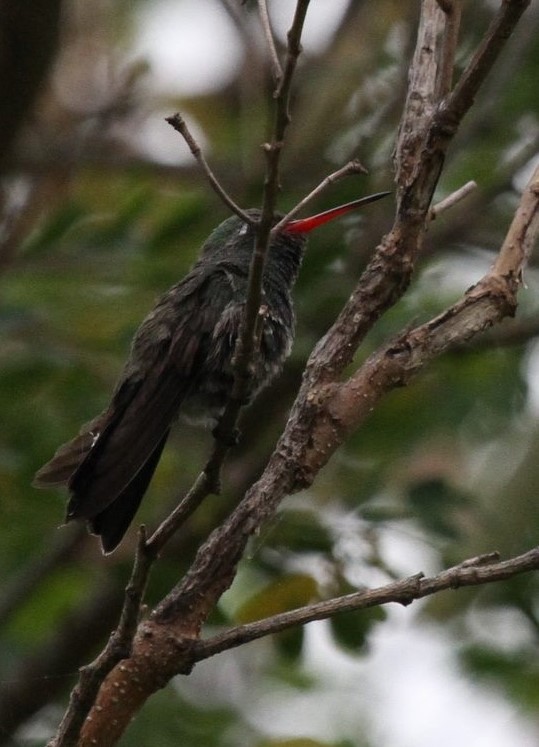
x,y
181,365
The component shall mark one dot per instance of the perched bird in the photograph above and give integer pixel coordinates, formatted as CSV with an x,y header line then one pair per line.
x,y
181,364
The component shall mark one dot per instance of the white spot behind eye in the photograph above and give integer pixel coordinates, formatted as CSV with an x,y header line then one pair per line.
x,y
243,229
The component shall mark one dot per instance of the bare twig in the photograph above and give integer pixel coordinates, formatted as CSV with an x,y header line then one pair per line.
x,y
482,61
200,490
208,479
178,123
292,53
352,167
485,569
276,69
453,11
245,346
448,202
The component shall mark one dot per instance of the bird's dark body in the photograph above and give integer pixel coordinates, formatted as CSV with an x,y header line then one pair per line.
x,y
180,364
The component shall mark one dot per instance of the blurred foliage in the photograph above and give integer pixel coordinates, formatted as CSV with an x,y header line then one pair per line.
x,y
182,723
352,629
100,226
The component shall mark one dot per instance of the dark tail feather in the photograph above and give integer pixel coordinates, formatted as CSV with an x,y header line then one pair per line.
x,y
141,418
112,523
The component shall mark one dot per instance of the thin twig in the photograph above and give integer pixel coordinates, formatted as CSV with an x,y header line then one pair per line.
x,y
448,202
453,12
276,68
293,49
352,167
484,569
245,346
178,123
208,480
477,69
200,490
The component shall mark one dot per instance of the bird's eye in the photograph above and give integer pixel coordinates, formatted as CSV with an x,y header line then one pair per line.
x,y
243,229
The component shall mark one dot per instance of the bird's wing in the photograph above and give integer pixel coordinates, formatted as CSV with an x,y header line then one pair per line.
x,y
58,470
144,406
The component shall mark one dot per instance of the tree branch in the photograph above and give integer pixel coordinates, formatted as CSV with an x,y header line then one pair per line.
x,y
179,124
477,571
246,345
268,35
482,61
453,11
455,197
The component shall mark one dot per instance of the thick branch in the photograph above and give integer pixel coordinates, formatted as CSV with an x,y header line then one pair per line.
x,y
488,302
422,94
